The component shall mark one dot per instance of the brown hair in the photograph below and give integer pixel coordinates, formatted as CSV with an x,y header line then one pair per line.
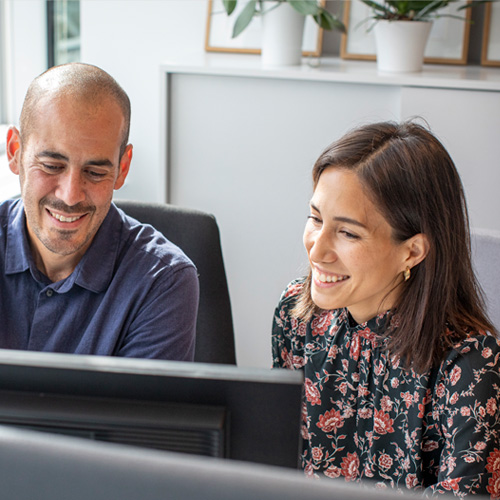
x,y
413,181
84,81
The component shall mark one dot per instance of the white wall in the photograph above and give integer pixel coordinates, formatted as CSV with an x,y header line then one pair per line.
x,y
26,44
130,39
24,56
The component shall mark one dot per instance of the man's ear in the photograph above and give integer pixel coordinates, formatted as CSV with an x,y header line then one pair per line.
x,y
13,149
124,166
418,247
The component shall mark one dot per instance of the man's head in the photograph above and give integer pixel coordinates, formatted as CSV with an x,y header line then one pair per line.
x,y
82,81
70,154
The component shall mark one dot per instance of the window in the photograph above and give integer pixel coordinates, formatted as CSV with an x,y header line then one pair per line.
x,y
63,30
8,183
4,25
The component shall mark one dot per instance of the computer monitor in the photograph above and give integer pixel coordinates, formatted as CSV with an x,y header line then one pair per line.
x,y
221,411
40,466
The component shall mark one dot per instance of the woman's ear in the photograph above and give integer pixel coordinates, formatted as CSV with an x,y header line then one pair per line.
x,y
418,247
13,149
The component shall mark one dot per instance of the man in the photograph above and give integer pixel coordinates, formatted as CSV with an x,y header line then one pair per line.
x,y
78,275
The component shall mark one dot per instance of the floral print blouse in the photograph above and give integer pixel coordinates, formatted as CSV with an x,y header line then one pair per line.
x,y
365,417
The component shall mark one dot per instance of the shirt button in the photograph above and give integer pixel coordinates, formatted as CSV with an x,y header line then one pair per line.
x,y
49,292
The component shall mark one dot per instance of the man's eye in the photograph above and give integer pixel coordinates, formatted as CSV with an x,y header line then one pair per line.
x,y
51,168
95,175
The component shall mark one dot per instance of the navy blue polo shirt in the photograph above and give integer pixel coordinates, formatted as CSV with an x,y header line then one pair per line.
x,y
133,293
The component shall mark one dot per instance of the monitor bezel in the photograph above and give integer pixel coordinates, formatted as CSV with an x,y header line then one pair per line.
x,y
264,406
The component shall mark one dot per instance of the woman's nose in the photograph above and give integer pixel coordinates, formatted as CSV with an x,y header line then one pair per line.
x,y
322,247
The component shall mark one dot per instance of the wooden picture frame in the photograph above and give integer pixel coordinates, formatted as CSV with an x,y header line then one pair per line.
x,y
490,53
448,41
220,25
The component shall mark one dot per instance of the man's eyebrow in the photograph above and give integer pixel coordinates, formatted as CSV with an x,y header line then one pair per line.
x,y
53,155
348,220
98,162
104,162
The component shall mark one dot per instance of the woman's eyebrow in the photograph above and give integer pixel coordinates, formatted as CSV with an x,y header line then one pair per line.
x,y
347,220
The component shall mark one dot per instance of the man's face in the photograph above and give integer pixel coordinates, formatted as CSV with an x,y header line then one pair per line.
x,y
69,166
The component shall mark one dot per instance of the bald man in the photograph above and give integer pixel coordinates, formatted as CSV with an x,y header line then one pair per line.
x,y
78,275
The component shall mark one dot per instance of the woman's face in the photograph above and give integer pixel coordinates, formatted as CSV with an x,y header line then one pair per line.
x,y
355,262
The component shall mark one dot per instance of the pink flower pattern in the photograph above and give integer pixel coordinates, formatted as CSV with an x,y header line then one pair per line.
x,y
366,417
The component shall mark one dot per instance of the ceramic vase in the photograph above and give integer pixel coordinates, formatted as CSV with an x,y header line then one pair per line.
x,y
401,45
282,33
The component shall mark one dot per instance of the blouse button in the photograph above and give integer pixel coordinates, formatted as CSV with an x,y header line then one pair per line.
x,y
49,292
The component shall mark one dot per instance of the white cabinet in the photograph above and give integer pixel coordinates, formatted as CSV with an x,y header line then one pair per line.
x,y
240,142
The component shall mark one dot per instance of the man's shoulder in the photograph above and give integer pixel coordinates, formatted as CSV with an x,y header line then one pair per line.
x,y
7,207
143,242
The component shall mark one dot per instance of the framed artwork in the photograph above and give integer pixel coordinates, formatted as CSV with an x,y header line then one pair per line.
x,y
490,54
448,42
220,27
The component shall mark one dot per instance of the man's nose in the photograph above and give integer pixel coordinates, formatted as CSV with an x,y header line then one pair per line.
x,y
70,189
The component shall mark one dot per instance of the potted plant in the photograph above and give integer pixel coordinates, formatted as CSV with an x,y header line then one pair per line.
x,y
402,29
282,25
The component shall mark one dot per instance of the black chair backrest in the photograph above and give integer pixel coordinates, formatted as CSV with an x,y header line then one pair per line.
x,y
197,234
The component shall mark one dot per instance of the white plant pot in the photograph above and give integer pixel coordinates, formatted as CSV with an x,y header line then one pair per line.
x,y
401,45
282,33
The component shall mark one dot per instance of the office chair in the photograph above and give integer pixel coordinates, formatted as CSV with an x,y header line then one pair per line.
x,y
485,245
197,234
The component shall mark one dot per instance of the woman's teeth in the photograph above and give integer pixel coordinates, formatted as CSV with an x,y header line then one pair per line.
x,y
324,278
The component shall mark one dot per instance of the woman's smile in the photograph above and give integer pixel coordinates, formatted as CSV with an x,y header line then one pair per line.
x,y
354,260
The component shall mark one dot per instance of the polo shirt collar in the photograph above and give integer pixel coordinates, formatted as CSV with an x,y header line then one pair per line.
x,y
94,271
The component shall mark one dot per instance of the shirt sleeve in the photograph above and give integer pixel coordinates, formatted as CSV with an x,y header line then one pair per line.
x,y
467,399
165,325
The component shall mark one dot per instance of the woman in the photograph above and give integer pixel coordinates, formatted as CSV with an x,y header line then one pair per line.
x,y
400,360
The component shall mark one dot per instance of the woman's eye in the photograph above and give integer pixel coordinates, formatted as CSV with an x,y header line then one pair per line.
x,y
349,235
314,219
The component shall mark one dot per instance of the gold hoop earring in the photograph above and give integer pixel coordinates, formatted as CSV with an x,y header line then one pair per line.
x,y
406,274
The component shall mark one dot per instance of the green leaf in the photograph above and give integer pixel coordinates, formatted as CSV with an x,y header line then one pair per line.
x,y
306,7
377,7
229,5
425,10
329,22
244,18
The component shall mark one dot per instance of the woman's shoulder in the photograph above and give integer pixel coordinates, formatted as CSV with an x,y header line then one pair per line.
x,y
292,291
477,343
476,355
